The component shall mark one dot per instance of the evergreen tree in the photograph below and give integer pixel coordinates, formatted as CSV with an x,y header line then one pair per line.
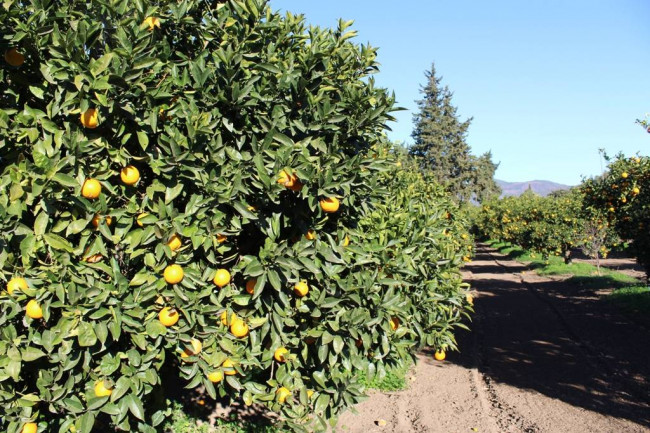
x,y
440,144
483,185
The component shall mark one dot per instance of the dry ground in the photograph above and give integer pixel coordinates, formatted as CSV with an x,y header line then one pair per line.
x,y
543,357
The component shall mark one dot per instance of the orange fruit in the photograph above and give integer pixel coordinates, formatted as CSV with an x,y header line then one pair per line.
x,y
14,58
89,118
394,323
301,289
636,190
130,175
152,22
280,354
221,238
282,394
173,274
439,355
174,242
215,376
91,188
310,235
287,179
34,310
624,175
228,367
224,318
139,217
470,299
221,278
168,316
97,219
239,328
250,286
30,427
16,283
329,204
101,390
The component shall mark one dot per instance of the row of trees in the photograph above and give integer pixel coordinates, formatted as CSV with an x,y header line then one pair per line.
x,y
201,190
596,216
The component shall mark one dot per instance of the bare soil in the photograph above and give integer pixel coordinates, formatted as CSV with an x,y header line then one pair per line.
x,y
543,356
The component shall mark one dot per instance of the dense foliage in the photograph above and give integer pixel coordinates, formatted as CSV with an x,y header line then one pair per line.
x,y
552,225
441,147
623,193
202,190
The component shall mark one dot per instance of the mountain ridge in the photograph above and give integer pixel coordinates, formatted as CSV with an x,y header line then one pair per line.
x,y
539,187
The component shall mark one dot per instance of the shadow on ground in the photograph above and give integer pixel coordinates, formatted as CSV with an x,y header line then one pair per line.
x,y
558,339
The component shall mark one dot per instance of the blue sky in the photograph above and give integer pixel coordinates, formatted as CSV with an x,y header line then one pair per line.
x,y
548,82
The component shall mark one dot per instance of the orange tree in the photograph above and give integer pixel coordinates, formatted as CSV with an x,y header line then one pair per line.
x,y
623,194
201,189
546,225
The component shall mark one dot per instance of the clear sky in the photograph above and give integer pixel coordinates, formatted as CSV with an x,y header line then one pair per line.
x,y
548,82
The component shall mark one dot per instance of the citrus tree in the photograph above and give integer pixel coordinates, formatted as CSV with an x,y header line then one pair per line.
x,y
202,189
623,194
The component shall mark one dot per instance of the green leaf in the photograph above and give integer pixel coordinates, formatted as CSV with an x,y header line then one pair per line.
x,y
40,224
57,242
86,334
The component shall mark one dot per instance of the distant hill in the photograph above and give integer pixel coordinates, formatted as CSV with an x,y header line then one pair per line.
x,y
540,187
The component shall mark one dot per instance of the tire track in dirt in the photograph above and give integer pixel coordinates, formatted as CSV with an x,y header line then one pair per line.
x,y
525,367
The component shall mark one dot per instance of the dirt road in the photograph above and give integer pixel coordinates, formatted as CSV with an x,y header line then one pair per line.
x,y
543,357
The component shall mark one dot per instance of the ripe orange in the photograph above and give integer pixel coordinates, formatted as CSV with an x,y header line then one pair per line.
x,y
168,316
97,219
91,188
624,175
239,328
301,289
174,242
310,235
221,278
215,376
130,175
280,354
139,217
30,427
89,118
228,367
636,190
34,310
16,283
152,22
173,274
282,394
287,179
440,355
394,323
250,286
329,204
224,318
14,58
101,390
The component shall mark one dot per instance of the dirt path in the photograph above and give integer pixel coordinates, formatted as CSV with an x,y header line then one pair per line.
x,y
544,357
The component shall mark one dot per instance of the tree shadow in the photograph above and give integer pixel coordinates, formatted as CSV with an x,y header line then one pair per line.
x,y
196,403
559,339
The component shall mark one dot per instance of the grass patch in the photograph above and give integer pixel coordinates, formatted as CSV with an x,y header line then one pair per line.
x,y
181,422
582,274
634,301
395,379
